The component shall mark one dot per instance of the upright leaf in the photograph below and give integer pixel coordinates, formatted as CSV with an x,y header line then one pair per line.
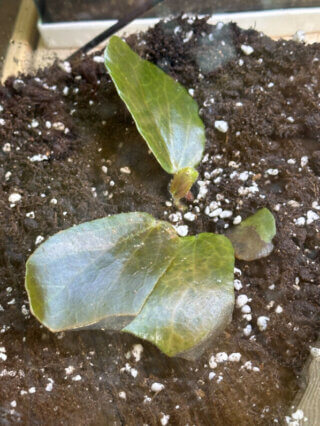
x,y
193,300
108,272
165,114
252,239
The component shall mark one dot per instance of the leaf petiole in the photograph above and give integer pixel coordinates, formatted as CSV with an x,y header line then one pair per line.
x,y
182,182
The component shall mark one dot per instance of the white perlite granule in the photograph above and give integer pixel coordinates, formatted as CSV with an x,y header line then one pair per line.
x,y
157,387
242,300
272,172
3,356
304,161
126,170
262,322
137,351
182,230
247,330
38,157
300,221
66,66
221,125
39,239
98,59
244,176
225,214
164,419
211,375
246,309
190,216
237,220
49,386
221,357
58,126
6,148
212,362
247,50
69,370
34,123
14,197
311,217
235,357
297,415
237,285
299,36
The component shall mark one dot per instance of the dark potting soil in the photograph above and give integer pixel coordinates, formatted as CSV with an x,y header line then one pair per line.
x,y
81,10
270,156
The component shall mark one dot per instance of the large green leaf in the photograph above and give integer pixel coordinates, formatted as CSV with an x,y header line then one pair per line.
x,y
108,272
165,114
193,300
98,270
252,239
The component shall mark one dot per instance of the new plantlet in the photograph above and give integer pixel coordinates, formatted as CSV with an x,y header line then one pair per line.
x,y
165,114
131,272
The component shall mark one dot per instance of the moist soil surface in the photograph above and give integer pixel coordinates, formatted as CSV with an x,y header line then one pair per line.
x,y
269,157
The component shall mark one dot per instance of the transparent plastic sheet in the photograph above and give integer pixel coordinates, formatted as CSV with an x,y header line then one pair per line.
x,y
81,10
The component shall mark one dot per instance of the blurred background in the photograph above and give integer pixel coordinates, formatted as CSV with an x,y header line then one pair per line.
x,y
79,10
21,21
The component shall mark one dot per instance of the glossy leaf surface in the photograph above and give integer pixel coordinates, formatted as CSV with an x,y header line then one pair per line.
x,y
131,267
193,300
252,239
165,114
98,271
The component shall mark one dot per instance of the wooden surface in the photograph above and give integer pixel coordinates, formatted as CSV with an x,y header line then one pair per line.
x,y
309,402
26,52
19,53
8,16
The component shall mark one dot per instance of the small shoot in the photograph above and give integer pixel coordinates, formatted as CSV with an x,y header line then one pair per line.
x,y
252,239
182,182
165,114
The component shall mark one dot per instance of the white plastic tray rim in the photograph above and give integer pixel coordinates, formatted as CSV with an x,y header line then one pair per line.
x,y
275,23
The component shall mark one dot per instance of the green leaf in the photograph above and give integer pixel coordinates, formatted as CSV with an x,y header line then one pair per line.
x,y
193,300
98,271
108,272
252,239
165,114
